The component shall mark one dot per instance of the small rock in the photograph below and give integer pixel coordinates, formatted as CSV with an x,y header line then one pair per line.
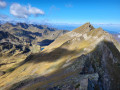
x,y
2,73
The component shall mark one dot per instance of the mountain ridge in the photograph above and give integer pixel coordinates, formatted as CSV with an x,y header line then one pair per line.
x,y
87,59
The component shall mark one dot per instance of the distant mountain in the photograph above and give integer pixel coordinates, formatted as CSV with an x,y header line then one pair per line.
x,y
83,59
31,33
117,37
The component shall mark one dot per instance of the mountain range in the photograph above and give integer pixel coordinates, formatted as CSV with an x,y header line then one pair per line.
x,y
85,58
31,33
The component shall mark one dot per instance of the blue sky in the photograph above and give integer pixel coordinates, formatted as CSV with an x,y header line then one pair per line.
x,y
64,11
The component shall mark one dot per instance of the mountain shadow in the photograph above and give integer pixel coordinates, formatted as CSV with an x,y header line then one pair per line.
x,y
48,57
44,57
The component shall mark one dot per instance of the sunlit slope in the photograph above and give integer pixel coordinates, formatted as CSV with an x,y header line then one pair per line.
x,y
71,35
72,58
84,35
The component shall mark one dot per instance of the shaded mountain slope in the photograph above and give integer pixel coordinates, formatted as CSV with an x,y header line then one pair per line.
x,y
85,58
7,37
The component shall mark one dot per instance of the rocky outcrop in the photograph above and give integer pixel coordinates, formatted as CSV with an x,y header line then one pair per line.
x,y
35,48
2,73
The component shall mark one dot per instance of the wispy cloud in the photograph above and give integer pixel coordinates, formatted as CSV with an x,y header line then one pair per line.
x,y
69,5
21,11
2,4
53,7
3,16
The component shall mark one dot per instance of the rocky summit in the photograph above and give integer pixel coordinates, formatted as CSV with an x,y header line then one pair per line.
x,y
86,58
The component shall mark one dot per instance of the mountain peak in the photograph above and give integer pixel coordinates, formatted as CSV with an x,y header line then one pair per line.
x,y
8,24
87,27
23,25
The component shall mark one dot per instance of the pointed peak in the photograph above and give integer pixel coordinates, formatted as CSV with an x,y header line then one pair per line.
x,y
84,28
23,25
7,23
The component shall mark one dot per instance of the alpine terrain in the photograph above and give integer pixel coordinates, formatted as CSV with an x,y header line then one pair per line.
x,y
86,58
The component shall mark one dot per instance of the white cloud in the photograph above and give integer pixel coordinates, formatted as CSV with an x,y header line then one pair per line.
x,y
2,4
19,11
35,11
24,11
